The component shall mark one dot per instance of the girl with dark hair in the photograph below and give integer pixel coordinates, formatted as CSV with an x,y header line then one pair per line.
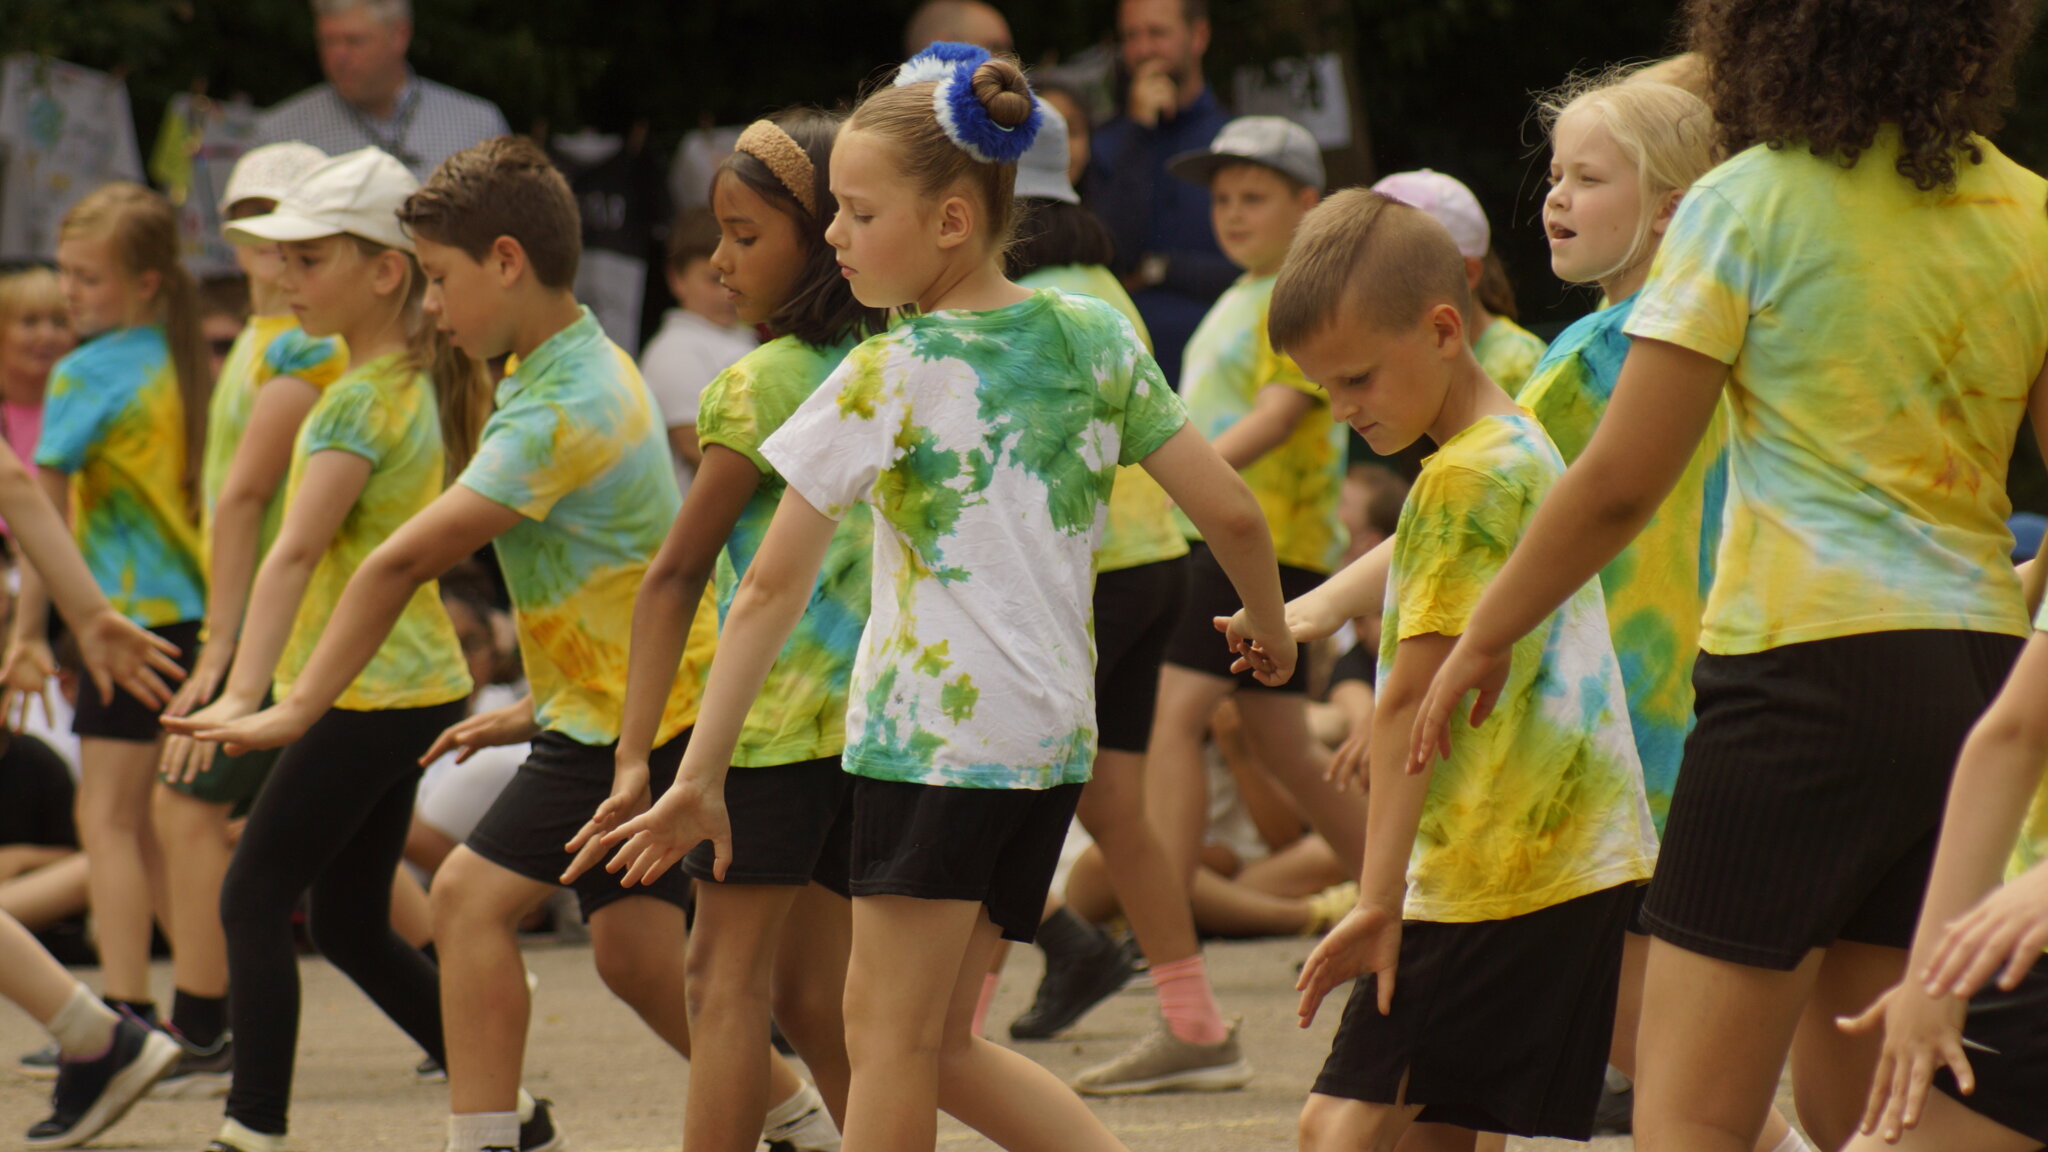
x,y
1862,289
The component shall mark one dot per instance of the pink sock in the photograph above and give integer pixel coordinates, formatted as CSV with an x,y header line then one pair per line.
x,y
1187,1003
988,993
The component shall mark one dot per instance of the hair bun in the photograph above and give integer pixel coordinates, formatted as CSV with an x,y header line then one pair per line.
x,y
1000,87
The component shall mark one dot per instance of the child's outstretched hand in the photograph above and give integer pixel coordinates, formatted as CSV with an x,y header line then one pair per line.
x,y
512,724
1349,765
1267,653
274,727
2005,933
689,813
629,798
118,651
24,680
186,758
1921,1035
1367,939
1467,668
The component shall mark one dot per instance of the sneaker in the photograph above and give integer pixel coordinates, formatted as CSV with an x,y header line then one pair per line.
x,y
40,1064
811,1130
201,1073
429,1071
537,1132
92,1094
1616,1114
234,1137
1330,905
1071,987
1162,1062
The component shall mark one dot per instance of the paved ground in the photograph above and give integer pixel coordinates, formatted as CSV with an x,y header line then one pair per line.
x,y
617,1089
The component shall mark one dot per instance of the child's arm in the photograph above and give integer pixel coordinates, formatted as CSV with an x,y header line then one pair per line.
x,y
1662,406
765,610
29,664
1215,498
1358,589
457,524
512,724
1368,939
2000,768
1276,410
260,463
662,615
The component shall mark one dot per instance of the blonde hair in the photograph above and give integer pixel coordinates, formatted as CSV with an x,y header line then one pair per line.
x,y
142,229
26,291
1664,130
462,386
904,117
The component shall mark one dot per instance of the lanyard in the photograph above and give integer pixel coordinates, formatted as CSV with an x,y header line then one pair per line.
x,y
395,144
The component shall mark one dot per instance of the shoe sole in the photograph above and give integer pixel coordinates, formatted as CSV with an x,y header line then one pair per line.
x,y
1221,1078
193,1086
37,1071
158,1056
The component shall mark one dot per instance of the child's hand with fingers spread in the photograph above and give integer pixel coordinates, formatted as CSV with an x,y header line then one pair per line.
x,y
25,679
628,799
209,672
1921,1036
118,652
186,758
1469,667
1353,757
512,724
689,813
2004,934
1367,939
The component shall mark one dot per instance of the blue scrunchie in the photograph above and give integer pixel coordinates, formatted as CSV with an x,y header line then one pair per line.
x,y
950,67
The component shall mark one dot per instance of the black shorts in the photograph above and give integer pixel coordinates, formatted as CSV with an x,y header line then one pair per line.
x,y
1498,1026
550,798
125,717
1199,647
791,824
1136,613
995,846
1811,792
2012,1079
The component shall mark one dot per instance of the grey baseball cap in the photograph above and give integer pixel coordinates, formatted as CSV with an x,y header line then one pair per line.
x,y
1274,141
1043,170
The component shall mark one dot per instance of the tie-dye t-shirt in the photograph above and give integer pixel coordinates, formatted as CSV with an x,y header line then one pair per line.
x,y
384,412
1508,353
1141,527
2033,845
1881,343
114,421
1228,362
1656,589
576,448
801,711
987,444
266,348
1544,802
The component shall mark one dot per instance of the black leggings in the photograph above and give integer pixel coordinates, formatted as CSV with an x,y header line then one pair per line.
x,y
332,818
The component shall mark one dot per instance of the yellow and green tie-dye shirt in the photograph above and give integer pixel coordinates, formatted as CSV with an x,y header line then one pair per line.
x,y
1656,589
2032,848
114,422
1141,525
1544,802
1881,343
1228,362
987,444
1508,353
384,412
576,448
266,348
801,711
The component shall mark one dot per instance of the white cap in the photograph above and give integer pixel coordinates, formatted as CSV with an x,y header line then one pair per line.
x,y
358,193
1042,173
1274,141
1449,201
268,172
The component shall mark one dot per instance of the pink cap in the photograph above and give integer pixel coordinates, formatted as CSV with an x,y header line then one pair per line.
x,y
1449,201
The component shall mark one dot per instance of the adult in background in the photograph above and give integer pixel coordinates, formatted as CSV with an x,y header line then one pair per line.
x,y
1166,252
372,96
960,21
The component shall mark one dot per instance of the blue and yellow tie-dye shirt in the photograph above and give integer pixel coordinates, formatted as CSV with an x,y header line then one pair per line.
x,y
384,412
1544,802
576,448
1141,526
987,444
1228,362
266,348
801,711
1508,353
1656,589
1881,343
114,421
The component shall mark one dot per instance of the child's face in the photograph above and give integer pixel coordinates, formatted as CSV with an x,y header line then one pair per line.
x,y
261,263
1387,384
219,330
1254,210
466,299
34,339
98,290
696,289
758,262
327,282
1595,203
892,244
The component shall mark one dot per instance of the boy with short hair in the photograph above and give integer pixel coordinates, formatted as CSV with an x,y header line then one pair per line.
x,y
572,483
1499,883
699,338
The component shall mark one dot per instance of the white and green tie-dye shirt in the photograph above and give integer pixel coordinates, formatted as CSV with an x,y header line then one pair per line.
x,y
986,444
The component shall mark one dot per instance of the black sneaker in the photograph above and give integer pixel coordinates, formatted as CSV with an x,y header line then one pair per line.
x,y
91,1094
40,1064
430,1071
537,1133
1616,1114
201,1073
1071,987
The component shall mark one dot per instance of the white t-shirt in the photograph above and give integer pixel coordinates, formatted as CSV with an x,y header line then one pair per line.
x,y
687,354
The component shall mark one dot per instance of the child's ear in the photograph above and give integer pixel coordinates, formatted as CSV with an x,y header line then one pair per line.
x,y
147,283
956,221
1447,329
1666,209
387,275
507,260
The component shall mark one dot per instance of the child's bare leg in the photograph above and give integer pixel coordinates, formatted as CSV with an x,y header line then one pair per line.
x,y
115,830
641,947
1153,894
194,835
1334,1124
484,1000
1447,1138
1277,723
1226,907
810,991
1710,1047
1176,789
51,893
1831,1070
1948,1126
1089,893
899,983
1302,868
29,976
739,927
411,916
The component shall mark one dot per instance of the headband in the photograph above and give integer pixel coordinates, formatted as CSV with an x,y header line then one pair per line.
x,y
765,141
950,68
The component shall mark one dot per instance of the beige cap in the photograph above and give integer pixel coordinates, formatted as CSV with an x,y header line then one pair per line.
x,y
358,193
268,172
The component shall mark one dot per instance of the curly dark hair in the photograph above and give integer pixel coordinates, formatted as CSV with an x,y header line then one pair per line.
x,y
1827,73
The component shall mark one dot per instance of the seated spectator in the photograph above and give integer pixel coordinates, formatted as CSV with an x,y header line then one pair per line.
x,y
697,341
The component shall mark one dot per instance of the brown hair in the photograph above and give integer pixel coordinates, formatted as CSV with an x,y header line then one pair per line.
x,y
1827,74
505,186
694,236
1495,292
904,117
142,229
462,386
226,294
1380,261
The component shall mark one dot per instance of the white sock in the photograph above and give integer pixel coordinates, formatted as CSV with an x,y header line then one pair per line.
x,y
482,1131
525,1106
800,1104
84,1027
243,1138
1793,1142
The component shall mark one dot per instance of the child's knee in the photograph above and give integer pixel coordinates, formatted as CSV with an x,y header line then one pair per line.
x,y
1335,1124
